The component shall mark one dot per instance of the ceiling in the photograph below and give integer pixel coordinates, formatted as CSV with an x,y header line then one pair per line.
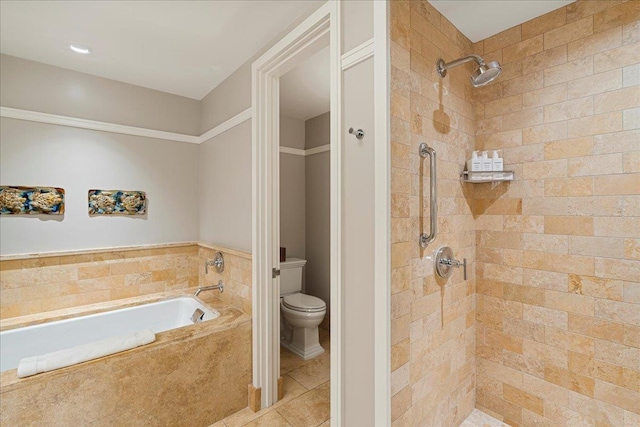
x,y
182,47
480,19
305,91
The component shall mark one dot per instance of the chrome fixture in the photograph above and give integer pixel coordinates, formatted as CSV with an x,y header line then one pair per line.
x,y
358,133
445,263
217,262
219,286
197,316
426,239
485,73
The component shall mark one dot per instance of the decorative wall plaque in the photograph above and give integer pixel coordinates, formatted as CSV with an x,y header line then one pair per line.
x,y
117,202
31,200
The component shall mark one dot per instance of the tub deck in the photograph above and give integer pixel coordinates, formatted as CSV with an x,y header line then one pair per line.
x,y
195,373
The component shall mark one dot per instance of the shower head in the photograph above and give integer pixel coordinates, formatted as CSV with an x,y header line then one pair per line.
x,y
485,73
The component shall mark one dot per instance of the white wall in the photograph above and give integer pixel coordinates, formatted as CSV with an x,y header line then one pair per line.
x,y
78,160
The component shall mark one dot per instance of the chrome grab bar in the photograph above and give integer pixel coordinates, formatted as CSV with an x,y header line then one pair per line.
x,y
425,239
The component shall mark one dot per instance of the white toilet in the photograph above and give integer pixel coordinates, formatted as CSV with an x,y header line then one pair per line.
x,y
300,314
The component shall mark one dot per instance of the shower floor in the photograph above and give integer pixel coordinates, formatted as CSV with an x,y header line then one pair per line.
x,y
479,419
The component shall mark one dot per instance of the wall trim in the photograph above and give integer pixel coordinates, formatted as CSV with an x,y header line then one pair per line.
x,y
226,125
55,119
293,151
358,54
305,153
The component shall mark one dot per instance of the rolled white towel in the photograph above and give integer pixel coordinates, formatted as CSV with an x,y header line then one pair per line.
x,y
82,353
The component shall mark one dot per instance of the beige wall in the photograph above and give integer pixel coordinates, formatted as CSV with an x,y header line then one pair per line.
x,y
317,211
357,253
558,334
292,189
78,160
224,186
432,327
39,87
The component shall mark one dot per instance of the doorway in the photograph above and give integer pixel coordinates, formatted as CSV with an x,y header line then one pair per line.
x,y
316,33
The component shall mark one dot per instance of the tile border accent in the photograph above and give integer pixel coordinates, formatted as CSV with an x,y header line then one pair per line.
x,y
242,254
55,119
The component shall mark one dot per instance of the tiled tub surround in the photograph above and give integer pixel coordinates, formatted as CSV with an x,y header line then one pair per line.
x,y
194,375
558,249
432,326
236,275
41,283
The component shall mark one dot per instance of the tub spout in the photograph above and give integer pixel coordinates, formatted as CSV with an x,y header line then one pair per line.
x,y
219,286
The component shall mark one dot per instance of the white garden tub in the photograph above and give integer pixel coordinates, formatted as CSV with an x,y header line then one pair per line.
x,y
16,344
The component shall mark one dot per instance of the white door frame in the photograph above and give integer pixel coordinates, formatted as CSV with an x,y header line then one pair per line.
x,y
265,174
266,72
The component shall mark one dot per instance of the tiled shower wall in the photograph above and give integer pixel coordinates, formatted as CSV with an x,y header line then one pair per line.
x,y
558,249
558,264
432,327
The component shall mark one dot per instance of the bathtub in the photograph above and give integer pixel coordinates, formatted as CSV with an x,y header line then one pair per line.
x,y
192,375
36,340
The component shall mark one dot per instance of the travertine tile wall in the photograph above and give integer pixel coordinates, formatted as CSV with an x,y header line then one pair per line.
x,y
236,276
558,249
432,327
44,283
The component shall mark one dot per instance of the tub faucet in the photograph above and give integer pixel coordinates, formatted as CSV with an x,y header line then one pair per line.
x,y
217,262
219,286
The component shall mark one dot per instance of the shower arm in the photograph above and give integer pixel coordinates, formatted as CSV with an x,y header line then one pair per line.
x,y
442,67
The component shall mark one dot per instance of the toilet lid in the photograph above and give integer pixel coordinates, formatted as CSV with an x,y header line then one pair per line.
x,y
302,302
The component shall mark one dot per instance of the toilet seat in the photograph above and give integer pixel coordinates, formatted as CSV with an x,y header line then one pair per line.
x,y
304,303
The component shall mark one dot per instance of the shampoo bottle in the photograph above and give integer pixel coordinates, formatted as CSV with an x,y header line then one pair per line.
x,y
487,163
498,163
474,164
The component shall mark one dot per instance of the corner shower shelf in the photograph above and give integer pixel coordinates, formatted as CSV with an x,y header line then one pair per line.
x,y
480,177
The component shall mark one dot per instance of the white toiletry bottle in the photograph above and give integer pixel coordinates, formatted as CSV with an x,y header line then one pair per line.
x,y
487,163
474,164
498,163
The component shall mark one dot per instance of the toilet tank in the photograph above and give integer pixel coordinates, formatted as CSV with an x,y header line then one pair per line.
x,y
291,275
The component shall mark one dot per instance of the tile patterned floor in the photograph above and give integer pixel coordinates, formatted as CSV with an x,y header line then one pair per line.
x,y
306,397
306,394
480,419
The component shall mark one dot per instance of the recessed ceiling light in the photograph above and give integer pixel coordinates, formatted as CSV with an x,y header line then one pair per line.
x,y
80,49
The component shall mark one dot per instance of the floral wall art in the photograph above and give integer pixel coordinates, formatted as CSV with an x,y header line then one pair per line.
x,y
117,202
31,200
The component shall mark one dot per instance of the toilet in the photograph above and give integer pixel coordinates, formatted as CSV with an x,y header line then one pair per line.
x,y
300,314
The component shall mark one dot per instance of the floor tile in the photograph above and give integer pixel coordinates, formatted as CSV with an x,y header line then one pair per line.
x,y
314,373
292,389
309,410
270,419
